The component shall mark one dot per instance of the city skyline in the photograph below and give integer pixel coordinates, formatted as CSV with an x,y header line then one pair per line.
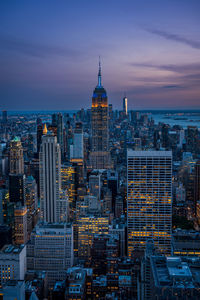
x,y
49,54
100,150
100,204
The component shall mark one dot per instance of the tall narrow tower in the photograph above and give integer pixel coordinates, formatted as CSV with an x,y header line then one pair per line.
x,y
57,123
39,134
99,157
196,185
125,105
76,150
50,181
16,176
16,157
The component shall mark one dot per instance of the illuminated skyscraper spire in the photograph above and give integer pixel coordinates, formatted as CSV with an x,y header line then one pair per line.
x,y
125,104
45,129
99,74
100,156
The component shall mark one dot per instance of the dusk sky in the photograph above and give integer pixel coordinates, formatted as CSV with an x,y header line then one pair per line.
x,y
149,49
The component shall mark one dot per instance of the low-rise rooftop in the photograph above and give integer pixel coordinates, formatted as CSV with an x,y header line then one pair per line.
x,y
12,249
172,272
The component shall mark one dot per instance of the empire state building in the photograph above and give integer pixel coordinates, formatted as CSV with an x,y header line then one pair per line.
x,y
100,156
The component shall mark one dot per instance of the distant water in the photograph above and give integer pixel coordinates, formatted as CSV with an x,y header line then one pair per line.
x,y
183,121
187,119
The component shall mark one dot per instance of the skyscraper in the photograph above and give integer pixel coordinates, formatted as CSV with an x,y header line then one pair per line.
x,y
31,202
68,178
50,181
12,265
191,135
16,176
196,184
16,157
125,105
39,134
99,156
76,150
149,199
31,195
95,185
51,249
88,226
20,214
17,188
57,124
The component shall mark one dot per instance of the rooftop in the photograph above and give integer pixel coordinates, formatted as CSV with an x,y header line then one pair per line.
x,y
76,276
100,281
148,153
11,249
186,235
172,271
178,269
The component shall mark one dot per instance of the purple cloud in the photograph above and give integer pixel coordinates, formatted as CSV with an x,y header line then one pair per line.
x,y
175,37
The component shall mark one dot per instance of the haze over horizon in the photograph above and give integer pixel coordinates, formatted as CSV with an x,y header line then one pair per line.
x,y
149,49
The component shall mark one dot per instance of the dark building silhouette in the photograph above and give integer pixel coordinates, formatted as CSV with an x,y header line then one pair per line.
x,y
57,124
165,136
196,184
5,235
17,186
39,134
192,139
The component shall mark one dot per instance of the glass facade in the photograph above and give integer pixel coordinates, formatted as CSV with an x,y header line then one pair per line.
x,y
149,199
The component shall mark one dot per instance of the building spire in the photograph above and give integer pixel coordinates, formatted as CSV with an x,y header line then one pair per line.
x,y
45,129
99,74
